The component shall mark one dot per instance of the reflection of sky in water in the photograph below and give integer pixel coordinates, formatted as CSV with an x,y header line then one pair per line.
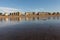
x,y
14,21
17,28
4,23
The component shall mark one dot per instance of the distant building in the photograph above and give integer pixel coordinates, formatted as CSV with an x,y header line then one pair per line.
x,y
16,14
6,14
42,13
29,13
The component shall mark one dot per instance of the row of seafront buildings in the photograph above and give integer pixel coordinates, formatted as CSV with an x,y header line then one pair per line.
x,y
29,14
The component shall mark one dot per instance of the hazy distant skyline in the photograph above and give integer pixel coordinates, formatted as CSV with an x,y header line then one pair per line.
x,y
32,5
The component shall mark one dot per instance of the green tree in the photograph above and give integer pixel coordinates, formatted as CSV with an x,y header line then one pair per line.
x,y
49,13
53,13
0,13
57,13
33,13
37,13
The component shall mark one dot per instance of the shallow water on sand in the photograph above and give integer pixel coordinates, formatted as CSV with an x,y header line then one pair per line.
x,y
30,28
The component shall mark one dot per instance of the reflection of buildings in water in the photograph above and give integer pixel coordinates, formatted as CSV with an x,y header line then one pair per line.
x,y
15,19
53,17
33,18
12,19
27,19
58,17
37,18
20,18
49,18
44,19
1,19
6,19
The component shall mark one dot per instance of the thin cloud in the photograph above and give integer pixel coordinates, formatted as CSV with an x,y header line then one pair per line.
x,y
6,9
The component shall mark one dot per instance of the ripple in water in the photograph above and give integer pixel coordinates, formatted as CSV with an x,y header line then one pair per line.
x,y
35,28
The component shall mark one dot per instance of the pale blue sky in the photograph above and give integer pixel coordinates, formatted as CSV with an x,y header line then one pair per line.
x,y
32,5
